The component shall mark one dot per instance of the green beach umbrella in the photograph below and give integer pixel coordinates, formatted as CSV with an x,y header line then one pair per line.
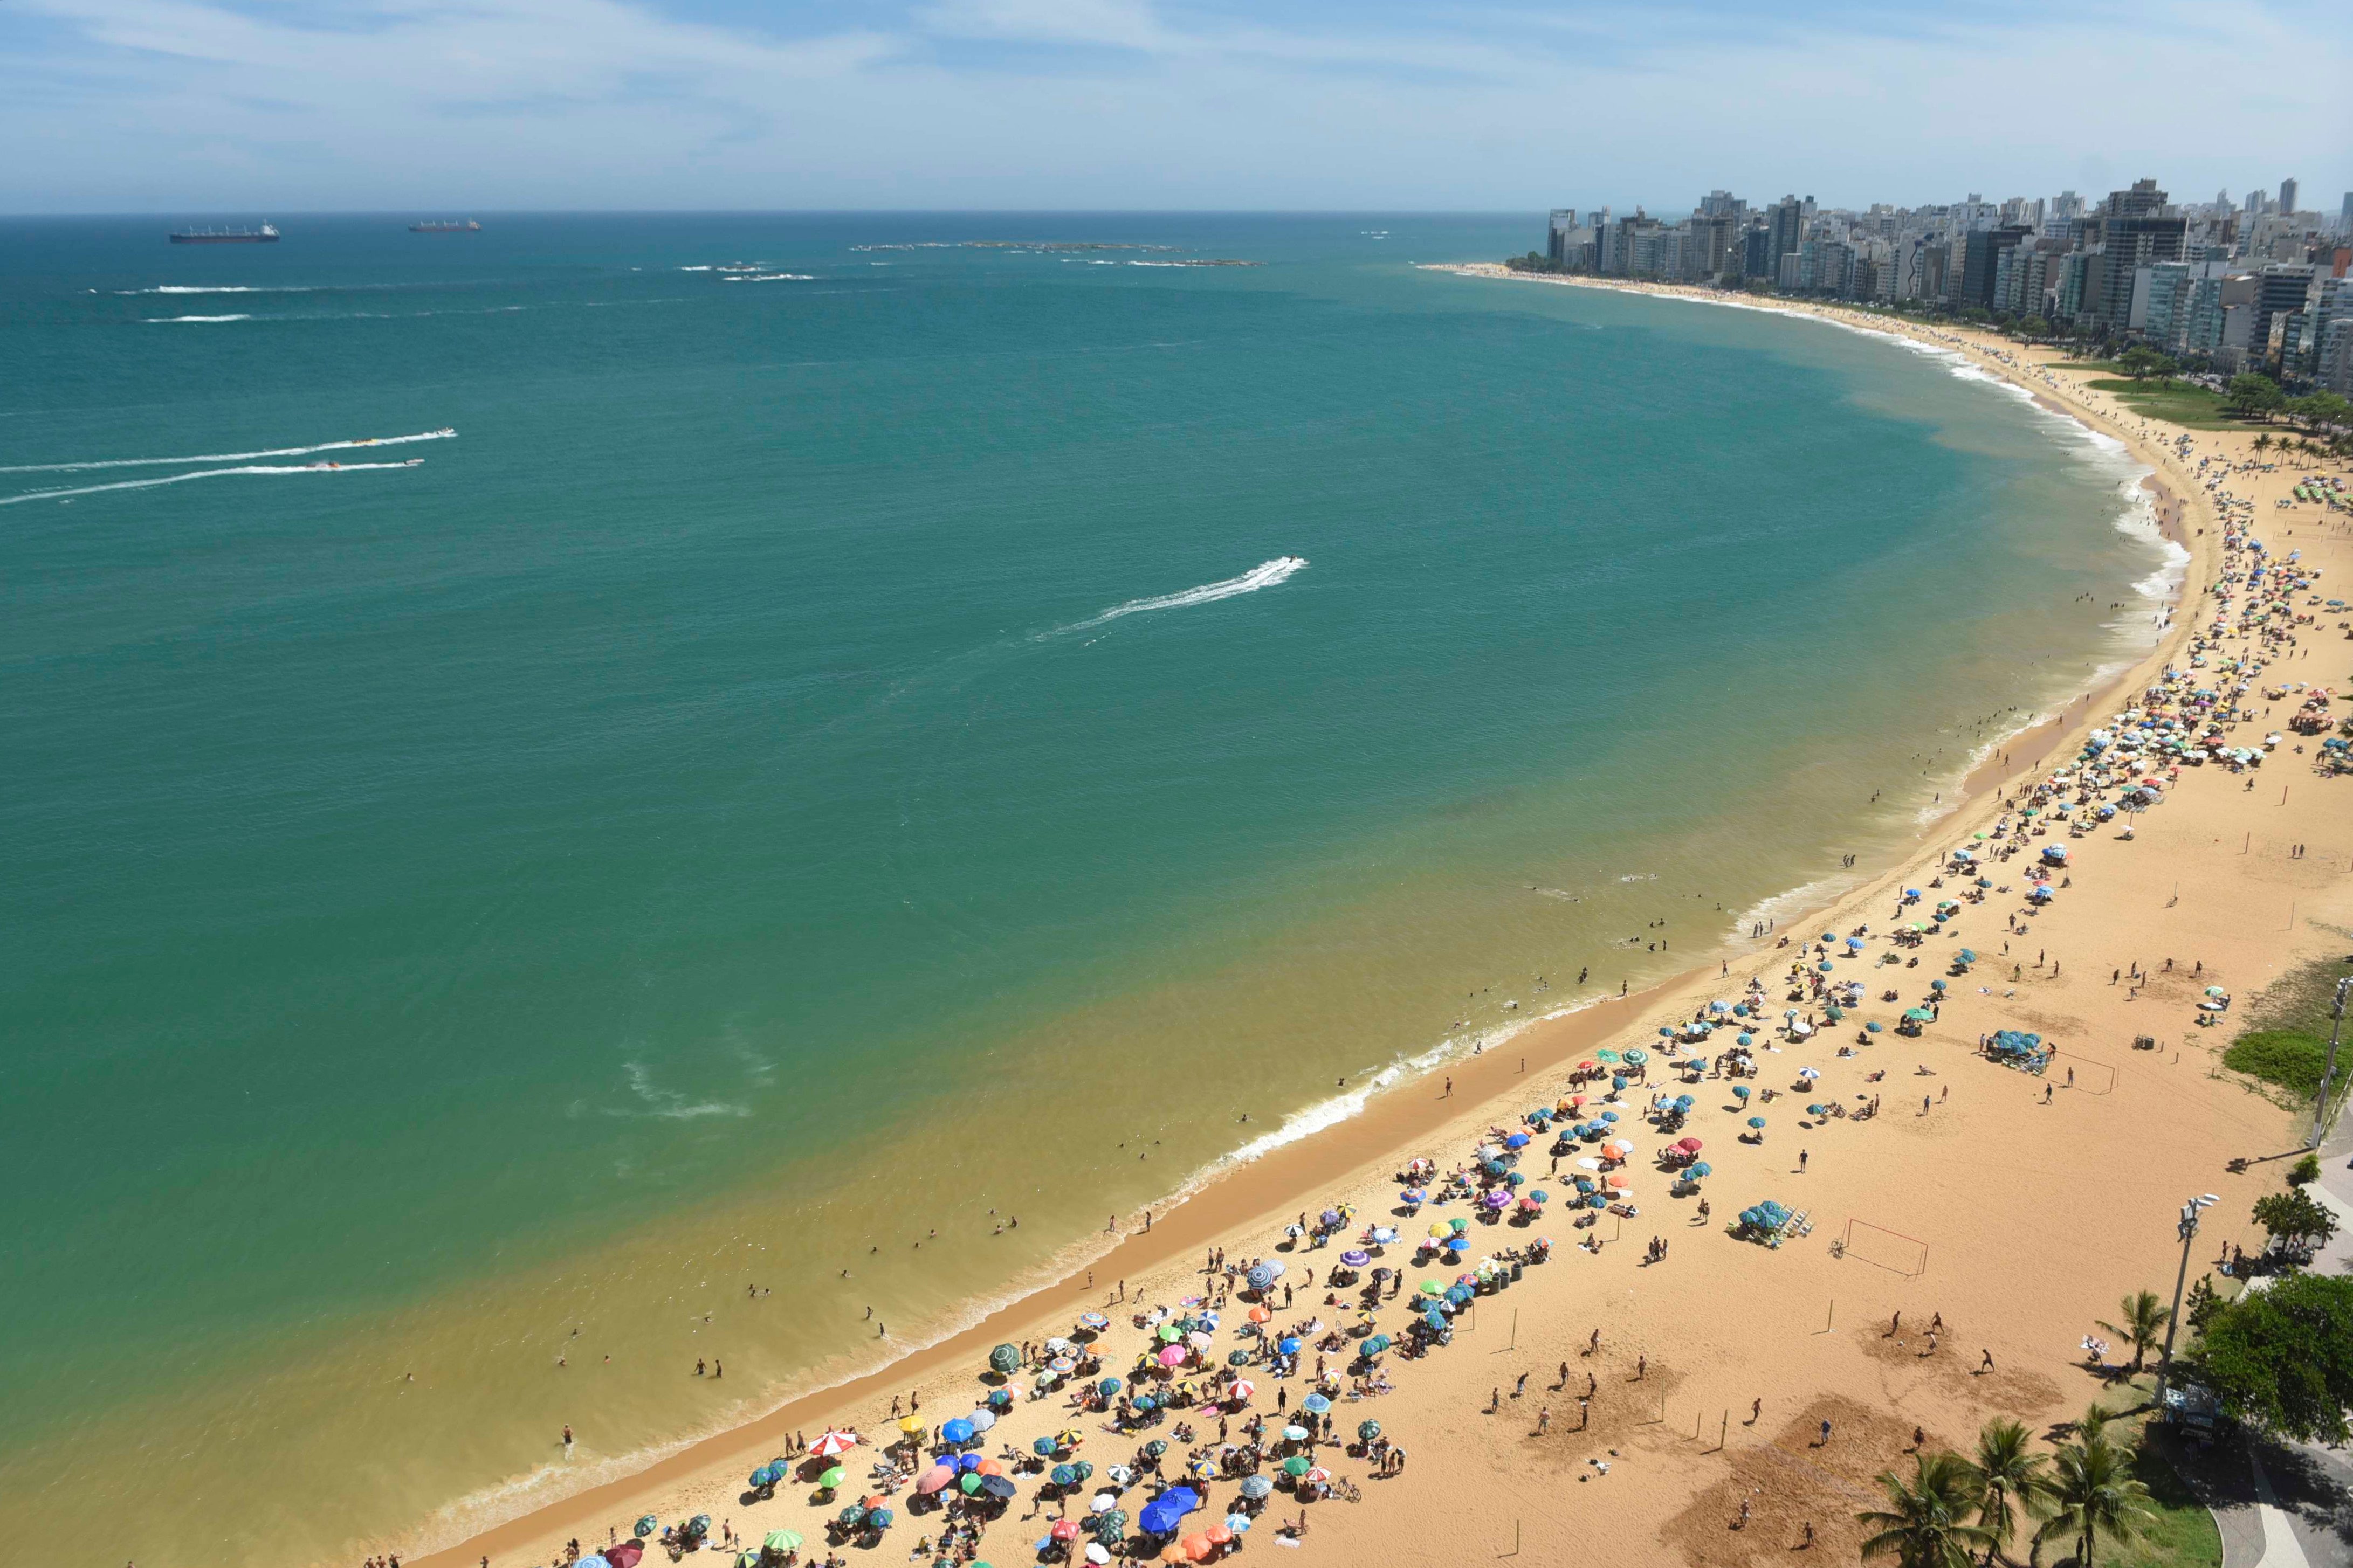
x,y
832,1477
783,1541
1295,1466
1005,1358
968,1483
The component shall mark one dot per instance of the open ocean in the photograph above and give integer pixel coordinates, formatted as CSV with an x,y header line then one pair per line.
x,y
832,750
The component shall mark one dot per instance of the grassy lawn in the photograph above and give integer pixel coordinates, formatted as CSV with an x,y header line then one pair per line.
x,y
2286,1042
2177,402
2181,1536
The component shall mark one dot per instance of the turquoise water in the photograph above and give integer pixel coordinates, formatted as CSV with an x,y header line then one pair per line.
x,y
696,827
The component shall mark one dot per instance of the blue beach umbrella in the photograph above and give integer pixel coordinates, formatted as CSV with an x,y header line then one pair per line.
x,y
1756,1122
958,1431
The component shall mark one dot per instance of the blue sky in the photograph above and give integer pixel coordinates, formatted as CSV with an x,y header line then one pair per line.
x,y
287,105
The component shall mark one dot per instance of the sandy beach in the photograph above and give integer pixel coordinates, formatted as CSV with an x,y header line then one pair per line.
x,y
2013,1207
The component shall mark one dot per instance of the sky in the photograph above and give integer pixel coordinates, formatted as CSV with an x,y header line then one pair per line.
x,y
273,106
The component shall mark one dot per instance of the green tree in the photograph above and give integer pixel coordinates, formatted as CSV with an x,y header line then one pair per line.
x,y
2281,1357
2203,1304
2093,1494
2251,394
2143,362
2294,1217
2145,1318
1924,1524
2263,443
2009,1481
2034,326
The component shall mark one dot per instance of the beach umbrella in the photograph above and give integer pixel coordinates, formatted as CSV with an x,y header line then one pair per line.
x,y
968,1483
1005,1358
956,1431
1537,1196
851,1518
1746,1038
1241,1391
1237,1358
1315,1404
1169,1333
699,1525
832,1477
1160,1516
1155,1449
782,1540
623,1554
1098,1553
1701,1169
1874,1027
1063,1530
832,1443
1257,1488
1369,1430
1145,1402
1808,1074
1260,1277
1103,1502
982,1419
1756,1122
1638,1056
1093,1320
934,1479
1108,1387
1172,1355
647,1525
880,1519
1354,1258
1294,1434
1516,1140
1689,1145
1412,1197
1287,1346
998,1487
1042,1447
1377,1344
1740,1091
1294,1466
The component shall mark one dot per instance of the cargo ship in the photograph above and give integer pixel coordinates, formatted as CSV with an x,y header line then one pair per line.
x,y
266,234
447,226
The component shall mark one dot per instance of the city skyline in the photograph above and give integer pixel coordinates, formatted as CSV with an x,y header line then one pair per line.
x,y
1072,105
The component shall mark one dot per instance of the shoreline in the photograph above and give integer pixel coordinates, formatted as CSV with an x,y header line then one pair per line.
x,y
1216,1202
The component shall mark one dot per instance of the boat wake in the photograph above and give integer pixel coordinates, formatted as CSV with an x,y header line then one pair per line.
x,y
1266,575
205,473
441,435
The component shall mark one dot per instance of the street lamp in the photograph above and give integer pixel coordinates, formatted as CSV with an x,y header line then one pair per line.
x,y
2188,1228
2328,1074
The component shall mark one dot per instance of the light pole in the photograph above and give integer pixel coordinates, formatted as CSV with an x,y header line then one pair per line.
x,y
2187,1227
2320,1106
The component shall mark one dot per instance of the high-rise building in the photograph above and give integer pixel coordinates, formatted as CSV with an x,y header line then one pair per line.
x,y
2141,199
1757,260
1982,258
2281,290
2287,196
1563,223
1787,219
2165,304
2345,215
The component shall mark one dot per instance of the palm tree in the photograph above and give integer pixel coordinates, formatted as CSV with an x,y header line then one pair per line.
x,y
2093,1494
2145,1318
2262,443
1923,1527
2007,1477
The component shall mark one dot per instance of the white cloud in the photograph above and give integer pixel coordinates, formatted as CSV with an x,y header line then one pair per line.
x,y
1128,103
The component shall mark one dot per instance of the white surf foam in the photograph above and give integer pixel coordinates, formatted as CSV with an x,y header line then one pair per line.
x,y
154,320
1266,575
441,435
199,474
216,289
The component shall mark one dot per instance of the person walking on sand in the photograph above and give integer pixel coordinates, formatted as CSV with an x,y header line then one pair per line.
x,y
1742,1522
1985,1365
1543,1420
1825,1441
1801,1162
1756,1412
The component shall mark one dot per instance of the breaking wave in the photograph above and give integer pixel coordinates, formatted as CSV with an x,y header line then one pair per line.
x,y
152,320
